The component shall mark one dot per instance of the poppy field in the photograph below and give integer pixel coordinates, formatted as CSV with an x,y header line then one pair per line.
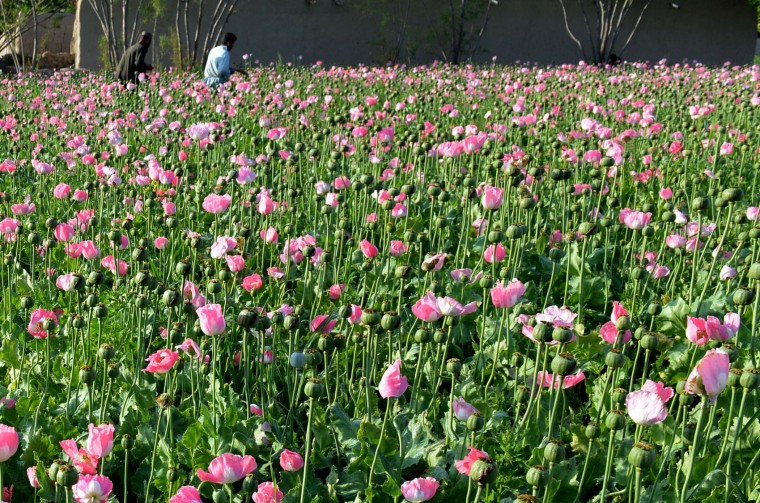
x,y
474,284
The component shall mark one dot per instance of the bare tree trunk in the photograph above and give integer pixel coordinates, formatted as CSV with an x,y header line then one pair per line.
x,y
186,53
218,21
476,46
194,53
133,31
35,24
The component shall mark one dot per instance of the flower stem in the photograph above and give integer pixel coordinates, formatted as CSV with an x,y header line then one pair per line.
x,y
308,450
379,442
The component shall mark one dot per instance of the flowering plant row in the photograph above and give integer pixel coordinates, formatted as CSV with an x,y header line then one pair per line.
x,y
478,284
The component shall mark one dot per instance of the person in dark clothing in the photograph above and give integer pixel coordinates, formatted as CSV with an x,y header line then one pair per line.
x,y
132,63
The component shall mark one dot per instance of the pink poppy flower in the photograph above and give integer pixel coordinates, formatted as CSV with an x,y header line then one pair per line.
x,y
557,317
393,384
235,263
61,191
710,375
9,441
419,489
609,333
322,324
256,410
160,242
222,245
227,469
492,198
37,321
109,262
336,290
464,466
664,392
269,235
291,461
252,282
507,296
214,203
82,459
161,361
495,253
211,319
267,493
462,410
646,408
92,489
368,249
186,494
100,440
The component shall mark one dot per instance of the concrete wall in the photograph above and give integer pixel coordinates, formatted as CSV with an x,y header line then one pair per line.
x,y
54,35
367,31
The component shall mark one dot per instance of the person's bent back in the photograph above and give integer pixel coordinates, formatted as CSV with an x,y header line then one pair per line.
x,y
133,63
217,70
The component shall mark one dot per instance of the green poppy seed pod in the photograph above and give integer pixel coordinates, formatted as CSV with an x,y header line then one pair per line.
x,y
615,420
171,298
454,366
278,318
561,335
654,308
587,228
556,254
619,395
344,312
53,469
700,204
172,474
214,286
183,267
114,236
639,273
734,378
291,322
642,455
370,318
127,442
486,281
34,238
51,223
563,364
475,422
688,432
685,399
527,203
408,189
114,371
314,388
522,394
402,271
66,476
720,202
517,359
313,357
142,278
139,253
91,300
49,325
27,302
106,352
730,349
141,302
541,332
743,296
648,231
733,194
422,336
623,323
668,216
219,496
592,430
100,311
754,233
497,236
325,343
78,322
297,360
537,476
247,318
390,321
754,271
249,484
614,359
554,451
484,471
607,162
750,379
650,341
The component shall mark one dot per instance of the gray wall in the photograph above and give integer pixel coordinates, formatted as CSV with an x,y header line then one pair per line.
x,y
366,31
54,35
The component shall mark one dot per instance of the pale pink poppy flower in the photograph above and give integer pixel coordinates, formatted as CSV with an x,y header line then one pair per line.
x,y
492,198
393,384
211,319
368,249
336,290
609,333
82,459
252,282
646,408
507,296
92,489
266,492
100,440
495,253
710,375
214,203
398,248
322,324
235,263
161,361
462,410
419,489
665,392
227,469
666,194
464,466
291,461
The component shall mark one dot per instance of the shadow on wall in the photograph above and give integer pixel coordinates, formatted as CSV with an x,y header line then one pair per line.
x,y
350,32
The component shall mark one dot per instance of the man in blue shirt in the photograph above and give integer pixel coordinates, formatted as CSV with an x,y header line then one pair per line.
x,y
218,68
